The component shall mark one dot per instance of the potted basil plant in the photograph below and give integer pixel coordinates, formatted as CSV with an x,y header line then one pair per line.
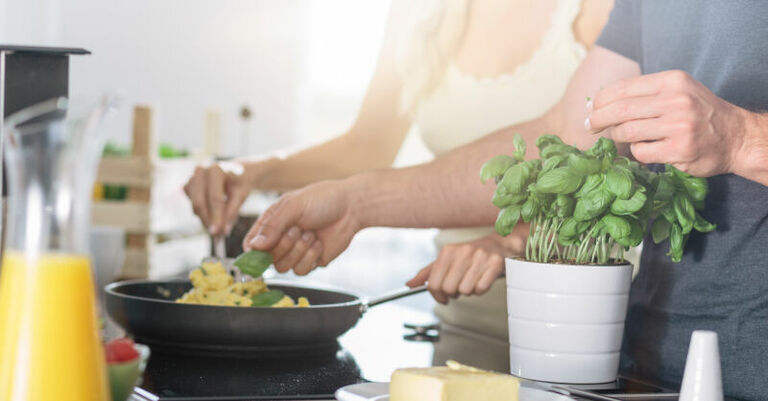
x,y
567,297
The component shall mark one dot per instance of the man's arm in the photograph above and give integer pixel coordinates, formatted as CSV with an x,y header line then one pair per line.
x,y
669,117
444,193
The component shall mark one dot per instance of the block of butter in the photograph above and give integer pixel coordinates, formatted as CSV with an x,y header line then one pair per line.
x,y
454,382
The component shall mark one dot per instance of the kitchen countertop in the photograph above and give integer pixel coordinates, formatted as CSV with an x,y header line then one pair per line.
x,y
370,351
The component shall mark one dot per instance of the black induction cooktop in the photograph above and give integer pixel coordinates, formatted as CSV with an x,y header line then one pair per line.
x,y
388,337
369,352
172,376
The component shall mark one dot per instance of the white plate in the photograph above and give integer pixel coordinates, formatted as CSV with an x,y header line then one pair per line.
x,y
380,392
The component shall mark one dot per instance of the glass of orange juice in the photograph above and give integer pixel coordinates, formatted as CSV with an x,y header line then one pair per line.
x,y
50,347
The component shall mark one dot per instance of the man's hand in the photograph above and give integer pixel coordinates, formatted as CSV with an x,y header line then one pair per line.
x,y
469,267
306,228
669,117
217,192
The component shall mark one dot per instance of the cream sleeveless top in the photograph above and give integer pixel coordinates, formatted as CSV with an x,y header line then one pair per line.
x,y
464,108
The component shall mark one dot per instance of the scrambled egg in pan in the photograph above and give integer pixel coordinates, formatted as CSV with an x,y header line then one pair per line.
x,y
213,285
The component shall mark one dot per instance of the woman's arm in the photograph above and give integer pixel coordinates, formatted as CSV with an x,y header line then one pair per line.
x,y
371,142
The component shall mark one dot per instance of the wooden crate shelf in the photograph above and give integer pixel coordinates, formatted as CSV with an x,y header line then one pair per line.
x,y
145,248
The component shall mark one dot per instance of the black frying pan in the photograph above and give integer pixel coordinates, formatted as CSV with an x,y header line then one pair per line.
x,y
146,310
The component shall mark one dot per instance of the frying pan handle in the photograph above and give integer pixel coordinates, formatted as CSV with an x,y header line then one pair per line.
x,y
391,296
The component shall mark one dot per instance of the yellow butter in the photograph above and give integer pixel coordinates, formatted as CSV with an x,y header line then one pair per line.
x,y
454,382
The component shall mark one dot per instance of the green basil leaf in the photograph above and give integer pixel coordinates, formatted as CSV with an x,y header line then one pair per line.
x,y
592,182
268,298
530,209
635,236
515,178
584,165
253,263
562,180
660,229
496,167
565,241
617,227
552,163
564,206
593,204
623,207
519,143
637,233
502,199
599,229
557,149
507,219
644,176
604,148
619,181
546,140
669,213
676,243
702,225
685,212
573,228
665,189
697,188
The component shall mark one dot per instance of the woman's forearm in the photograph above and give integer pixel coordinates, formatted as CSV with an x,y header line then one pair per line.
x,y
371,143
443,193
338,158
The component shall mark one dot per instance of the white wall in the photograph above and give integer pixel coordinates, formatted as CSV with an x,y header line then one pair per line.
x,y
301,65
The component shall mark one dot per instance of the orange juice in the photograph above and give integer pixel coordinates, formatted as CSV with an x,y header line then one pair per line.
x,y
50,348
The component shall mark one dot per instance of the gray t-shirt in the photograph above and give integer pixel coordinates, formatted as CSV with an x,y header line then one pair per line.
x,y
722,282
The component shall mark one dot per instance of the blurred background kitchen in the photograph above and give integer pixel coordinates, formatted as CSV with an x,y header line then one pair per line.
x,y
223,79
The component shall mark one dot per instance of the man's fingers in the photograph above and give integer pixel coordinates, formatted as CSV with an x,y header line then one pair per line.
x,y
217,198
624,110
309,261
297,252
420,277
335,241
651,152
637,131
267,230
284,246
643,85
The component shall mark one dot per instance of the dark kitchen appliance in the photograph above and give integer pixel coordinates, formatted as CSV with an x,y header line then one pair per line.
x,y
30,75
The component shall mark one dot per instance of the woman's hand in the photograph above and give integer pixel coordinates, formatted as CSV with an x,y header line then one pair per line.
x,y
469,267
217,192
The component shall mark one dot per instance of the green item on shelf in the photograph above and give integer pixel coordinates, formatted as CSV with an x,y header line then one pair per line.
x,y
166,151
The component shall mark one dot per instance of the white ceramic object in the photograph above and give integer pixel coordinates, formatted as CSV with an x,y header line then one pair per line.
x,y
380,392
566,321
702,380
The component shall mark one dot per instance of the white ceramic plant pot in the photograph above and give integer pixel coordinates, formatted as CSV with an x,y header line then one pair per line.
x,y
566,321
